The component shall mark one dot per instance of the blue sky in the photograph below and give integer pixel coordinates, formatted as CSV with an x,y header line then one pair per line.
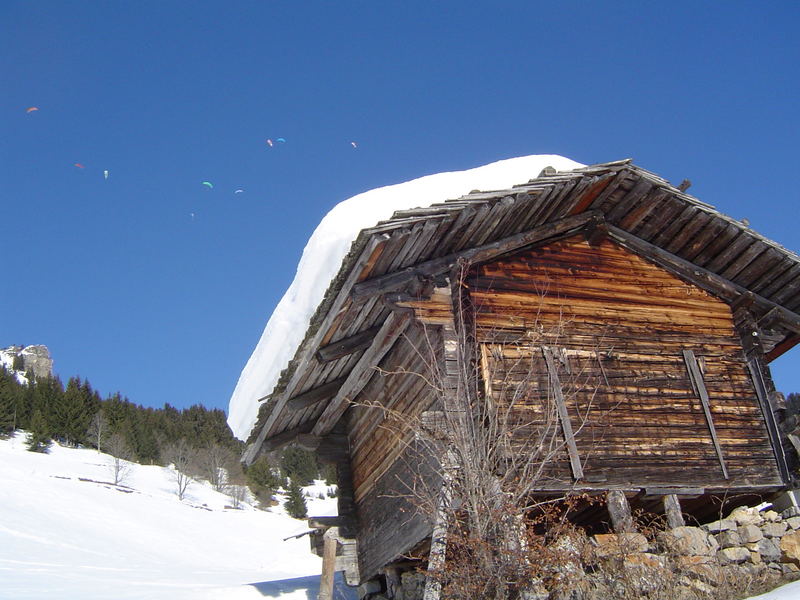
x,y
157,286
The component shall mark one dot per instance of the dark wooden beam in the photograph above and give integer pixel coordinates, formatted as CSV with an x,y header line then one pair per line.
x,y
315,395
786,345
390,331
431,268
348,345
283,439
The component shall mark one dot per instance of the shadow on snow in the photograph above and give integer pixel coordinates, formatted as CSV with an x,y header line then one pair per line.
x,y
310,585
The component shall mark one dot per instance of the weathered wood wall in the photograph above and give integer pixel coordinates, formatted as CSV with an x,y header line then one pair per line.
x,y
392,474
618,327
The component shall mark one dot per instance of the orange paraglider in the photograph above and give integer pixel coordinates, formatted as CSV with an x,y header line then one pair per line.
x,y
31,109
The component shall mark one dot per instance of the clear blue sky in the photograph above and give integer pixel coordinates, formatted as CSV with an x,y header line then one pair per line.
x,y
132,292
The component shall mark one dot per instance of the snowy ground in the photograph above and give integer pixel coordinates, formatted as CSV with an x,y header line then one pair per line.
x,y
65,534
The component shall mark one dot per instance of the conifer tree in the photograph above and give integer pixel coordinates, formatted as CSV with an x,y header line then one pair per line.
x,y
295,502
72,413
299,465
38,439
10,394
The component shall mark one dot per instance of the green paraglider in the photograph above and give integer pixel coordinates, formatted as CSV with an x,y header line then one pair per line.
x,y
209,184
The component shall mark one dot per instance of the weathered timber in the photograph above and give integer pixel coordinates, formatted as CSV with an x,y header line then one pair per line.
x,y
703,278
284,438
367,258
563,415
427,269
328,564
315,395
699,386
390,331
346,346
672,510
620,511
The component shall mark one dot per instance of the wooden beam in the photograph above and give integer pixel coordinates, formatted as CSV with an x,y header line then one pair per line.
x,y
369,255
283,439
786,345
346,346
696,377
620,512
328,564
392,281
563,415
769,417
314,395
390,331
672,510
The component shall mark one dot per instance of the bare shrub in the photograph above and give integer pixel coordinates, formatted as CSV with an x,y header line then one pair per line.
x,y
120,456
180,457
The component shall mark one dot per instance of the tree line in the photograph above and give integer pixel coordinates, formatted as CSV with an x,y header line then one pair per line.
x,y
196,441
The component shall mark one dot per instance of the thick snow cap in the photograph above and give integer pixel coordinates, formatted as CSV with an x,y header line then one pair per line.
x,y
329,244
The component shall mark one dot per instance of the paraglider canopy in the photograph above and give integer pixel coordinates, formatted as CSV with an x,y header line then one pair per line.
x,y
31,109
209,184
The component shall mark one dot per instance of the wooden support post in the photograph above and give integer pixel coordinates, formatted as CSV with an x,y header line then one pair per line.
x,y
436,557
563,415
672,509
328,564
620,511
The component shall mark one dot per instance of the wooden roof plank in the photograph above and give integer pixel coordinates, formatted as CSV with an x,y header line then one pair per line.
x,y
373,246
390,331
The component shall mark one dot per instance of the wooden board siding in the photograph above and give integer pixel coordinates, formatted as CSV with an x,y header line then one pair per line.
x,y
389,467
619,326
380,424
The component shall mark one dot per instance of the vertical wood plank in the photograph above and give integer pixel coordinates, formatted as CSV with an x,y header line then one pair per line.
x,y
620,511
437,555
563,415
672,509
328,564
699,386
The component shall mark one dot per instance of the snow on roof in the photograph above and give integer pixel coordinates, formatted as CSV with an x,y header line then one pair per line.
x,y
329,244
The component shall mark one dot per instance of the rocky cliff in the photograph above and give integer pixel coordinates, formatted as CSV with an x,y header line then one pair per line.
x,y
35,359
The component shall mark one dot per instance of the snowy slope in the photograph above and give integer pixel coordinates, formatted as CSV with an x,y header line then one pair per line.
x,y
327,247
63,534
66,538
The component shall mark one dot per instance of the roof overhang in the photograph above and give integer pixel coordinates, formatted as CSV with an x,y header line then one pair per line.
x,y
354,327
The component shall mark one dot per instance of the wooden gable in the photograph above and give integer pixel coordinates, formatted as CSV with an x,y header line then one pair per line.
x,y
651,368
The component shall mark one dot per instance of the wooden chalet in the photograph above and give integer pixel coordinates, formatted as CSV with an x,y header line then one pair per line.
x,y
663,310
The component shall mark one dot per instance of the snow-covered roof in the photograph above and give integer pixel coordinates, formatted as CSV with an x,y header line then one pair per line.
x,y
327,247
376,243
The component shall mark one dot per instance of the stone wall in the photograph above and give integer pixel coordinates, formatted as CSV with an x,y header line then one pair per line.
x,y
750,550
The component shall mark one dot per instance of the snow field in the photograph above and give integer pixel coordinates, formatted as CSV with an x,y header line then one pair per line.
x,y
65,534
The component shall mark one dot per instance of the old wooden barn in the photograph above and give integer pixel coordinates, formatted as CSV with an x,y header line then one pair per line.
x,y
643,317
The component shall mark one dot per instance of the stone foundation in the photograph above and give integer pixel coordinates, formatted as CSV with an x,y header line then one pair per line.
x,y
750,546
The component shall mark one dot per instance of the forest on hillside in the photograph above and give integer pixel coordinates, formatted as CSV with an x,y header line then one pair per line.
x,y
196,440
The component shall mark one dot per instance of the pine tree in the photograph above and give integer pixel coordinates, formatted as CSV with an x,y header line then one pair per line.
x,y
10,394
299,464
72,413
295,502
38,439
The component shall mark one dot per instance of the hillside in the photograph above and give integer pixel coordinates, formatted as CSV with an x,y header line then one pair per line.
x,y
64,533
